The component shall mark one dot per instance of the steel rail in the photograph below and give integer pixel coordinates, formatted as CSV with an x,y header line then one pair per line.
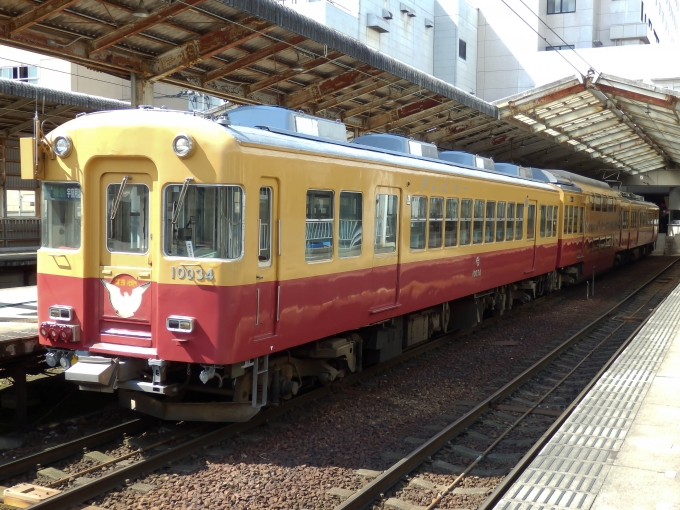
x,y
381,484
524,462
119,477
62,451
116,478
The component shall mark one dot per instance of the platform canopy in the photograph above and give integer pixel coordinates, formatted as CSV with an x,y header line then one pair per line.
x,y
19,102
261,52
628,125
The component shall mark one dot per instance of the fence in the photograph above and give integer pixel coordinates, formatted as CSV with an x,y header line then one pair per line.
x,y
19,232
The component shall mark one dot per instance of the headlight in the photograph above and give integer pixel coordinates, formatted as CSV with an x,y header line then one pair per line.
x,y
180,324
63,146
183,145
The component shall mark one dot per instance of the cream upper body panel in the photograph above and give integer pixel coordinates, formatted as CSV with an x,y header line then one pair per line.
x,y
140,141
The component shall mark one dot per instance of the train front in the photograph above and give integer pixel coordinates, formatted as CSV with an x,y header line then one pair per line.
x,y
142,244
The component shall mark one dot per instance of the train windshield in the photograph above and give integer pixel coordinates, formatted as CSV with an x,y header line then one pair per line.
x,y
209,222
61,215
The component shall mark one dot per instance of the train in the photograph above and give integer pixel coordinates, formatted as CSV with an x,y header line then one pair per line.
x,y
205,268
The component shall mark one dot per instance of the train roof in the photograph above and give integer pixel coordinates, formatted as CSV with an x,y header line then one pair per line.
x,y
295,141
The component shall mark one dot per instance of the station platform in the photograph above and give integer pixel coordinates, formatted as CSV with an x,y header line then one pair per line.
x,y
18,323
620,447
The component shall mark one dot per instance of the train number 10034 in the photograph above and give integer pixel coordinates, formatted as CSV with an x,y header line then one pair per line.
x,y
191,273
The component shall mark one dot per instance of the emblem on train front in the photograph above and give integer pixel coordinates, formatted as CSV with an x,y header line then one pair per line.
x,y
477,261
125,294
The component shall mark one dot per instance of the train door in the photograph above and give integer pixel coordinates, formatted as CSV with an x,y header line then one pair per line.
x,y
531,206
579,226
125,263
385,273
267,288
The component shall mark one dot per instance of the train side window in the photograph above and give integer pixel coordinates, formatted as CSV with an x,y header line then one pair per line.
x,y
451,226
510,225
478,222
565,222
434,231
519,222
598,202
548,223
351,227
610,206
541,222
490,227
580,221
264,253
418,221
386,209
209,222
554,221
592,202
570,225
320,226
500,222
531,222
465,221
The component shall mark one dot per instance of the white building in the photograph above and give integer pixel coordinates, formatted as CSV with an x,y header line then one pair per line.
x,y
63,75
497,48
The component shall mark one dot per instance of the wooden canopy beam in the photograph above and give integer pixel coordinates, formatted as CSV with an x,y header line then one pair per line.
x,y
208,45
254,57
330,85
37,14
289,73
141,24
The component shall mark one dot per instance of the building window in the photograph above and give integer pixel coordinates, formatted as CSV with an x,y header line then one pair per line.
x,y
563,47
462,49
28,74
561,6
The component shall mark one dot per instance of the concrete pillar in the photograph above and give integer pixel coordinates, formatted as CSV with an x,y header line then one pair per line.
x,y
141,91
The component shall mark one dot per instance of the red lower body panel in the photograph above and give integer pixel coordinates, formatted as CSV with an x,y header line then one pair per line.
x,y
310,308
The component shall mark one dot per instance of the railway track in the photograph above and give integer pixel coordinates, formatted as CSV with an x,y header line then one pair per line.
x,y
543,394
146,460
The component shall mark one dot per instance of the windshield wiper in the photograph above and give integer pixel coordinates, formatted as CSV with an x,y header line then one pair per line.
x,y
180,200
119,196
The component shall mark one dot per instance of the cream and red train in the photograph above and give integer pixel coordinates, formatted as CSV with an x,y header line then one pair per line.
x,y
206,268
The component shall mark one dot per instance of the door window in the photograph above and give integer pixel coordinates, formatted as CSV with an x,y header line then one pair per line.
x,y
385,224
531,222
351,233
264,252
208,221
127,218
